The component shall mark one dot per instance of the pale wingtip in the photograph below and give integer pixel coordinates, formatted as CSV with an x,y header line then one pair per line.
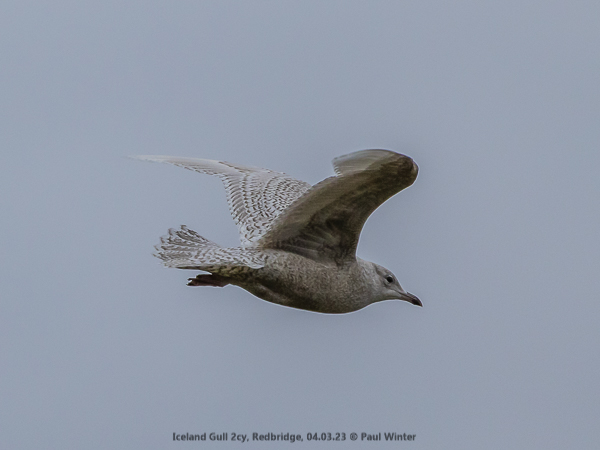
x,y
150,158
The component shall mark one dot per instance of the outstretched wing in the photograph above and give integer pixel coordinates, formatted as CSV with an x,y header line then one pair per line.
x,y
325,223
256,196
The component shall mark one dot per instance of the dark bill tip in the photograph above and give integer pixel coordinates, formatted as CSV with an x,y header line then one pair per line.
x,y
412,299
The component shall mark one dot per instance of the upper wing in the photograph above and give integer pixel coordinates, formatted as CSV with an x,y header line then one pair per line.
x,y
255,196
325,223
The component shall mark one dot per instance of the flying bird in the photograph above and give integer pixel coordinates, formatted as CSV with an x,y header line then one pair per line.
x,y
298,242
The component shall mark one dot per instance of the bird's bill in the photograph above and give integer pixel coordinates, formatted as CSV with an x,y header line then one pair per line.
x,y
407,296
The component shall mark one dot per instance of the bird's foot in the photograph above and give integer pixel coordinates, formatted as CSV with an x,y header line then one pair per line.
x,y
208,280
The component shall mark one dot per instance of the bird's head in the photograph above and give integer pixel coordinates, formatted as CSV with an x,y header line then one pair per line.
x,y
387,286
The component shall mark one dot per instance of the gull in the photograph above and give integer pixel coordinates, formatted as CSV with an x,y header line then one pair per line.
x,y
298,242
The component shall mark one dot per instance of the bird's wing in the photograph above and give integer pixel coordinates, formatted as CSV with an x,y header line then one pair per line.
x,y
325,223
256,196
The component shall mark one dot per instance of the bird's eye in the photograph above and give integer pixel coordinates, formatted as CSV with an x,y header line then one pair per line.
x,y
389,279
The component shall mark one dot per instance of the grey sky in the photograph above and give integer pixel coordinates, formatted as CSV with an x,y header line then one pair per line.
x,y
498,103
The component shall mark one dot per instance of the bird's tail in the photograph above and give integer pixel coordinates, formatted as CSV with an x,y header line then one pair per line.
x,y
186,249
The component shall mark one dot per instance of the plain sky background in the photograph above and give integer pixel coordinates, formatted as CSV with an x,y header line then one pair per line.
x,y
499,104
